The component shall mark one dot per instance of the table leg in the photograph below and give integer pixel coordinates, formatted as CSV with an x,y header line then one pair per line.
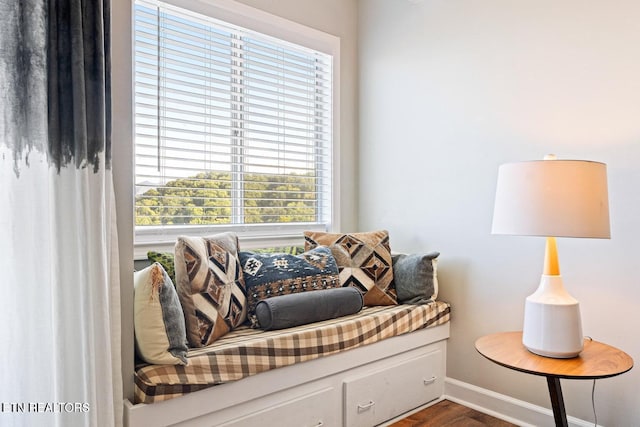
x,y
557,403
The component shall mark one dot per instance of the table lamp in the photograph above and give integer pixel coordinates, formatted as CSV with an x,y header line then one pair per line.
x,y
552,198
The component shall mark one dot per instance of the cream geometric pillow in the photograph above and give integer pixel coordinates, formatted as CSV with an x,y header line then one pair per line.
x,y
160,334
210,286
364,261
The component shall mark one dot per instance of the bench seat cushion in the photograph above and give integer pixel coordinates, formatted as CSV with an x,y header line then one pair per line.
x,y
245,351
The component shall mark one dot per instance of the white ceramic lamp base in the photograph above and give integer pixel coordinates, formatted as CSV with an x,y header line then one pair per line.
x,y
552,324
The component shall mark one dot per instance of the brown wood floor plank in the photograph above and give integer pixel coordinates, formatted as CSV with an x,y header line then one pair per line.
x,y
449,414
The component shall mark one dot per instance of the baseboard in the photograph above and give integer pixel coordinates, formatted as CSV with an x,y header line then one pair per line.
x,y
504,407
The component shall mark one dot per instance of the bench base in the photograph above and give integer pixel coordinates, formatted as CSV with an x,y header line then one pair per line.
x,y
364,386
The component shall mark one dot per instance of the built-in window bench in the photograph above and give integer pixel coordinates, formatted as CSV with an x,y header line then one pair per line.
x,y
365,369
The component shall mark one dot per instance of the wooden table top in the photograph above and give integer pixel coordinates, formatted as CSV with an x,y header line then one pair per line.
x,y
597,360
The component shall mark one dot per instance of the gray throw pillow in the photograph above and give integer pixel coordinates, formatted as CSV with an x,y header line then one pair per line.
x,y
415,277
291,310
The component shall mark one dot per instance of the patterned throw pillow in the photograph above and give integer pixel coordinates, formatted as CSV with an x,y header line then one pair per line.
x,y
166,260
270,275
210,286
160,334
364,260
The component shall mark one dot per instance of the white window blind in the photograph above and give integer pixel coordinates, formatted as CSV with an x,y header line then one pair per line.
x,y
233,129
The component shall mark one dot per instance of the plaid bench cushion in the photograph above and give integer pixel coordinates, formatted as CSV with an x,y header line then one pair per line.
x,y
245,351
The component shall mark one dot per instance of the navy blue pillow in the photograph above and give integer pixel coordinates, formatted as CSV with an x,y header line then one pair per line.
x,y
270,275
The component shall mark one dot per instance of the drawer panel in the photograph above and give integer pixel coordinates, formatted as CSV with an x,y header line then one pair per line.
x,y
311,410
375,397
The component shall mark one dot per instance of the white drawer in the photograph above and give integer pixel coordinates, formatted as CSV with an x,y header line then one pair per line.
x,y
311,410
375,397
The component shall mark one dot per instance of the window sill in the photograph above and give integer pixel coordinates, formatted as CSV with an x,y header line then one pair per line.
x,y
163,239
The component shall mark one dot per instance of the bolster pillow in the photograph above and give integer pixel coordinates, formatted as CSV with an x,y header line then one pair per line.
x,y
291,310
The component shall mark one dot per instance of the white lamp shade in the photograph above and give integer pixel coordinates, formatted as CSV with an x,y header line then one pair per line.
x,y
559,198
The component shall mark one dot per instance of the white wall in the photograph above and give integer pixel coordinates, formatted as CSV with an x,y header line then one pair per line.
x,y
449,90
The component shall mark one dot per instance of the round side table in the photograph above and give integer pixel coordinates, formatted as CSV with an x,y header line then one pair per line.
x,y
597,360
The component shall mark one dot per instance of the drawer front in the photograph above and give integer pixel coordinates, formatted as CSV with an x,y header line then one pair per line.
x,y
378,396
316,409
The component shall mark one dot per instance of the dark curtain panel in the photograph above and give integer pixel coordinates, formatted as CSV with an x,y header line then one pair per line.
x,y
23,77
55,88
79,101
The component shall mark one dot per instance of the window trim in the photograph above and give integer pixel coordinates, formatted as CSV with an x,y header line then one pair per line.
x,y
150,237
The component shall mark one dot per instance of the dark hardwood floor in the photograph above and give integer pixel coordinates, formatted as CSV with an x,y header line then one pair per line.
x,y
449,414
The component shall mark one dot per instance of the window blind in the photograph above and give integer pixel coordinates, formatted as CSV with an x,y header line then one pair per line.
x,y
232,127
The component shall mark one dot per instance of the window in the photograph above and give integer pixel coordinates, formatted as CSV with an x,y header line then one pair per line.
x,y
233,130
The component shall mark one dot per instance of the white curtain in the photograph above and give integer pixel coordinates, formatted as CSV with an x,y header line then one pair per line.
x,y
59,299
